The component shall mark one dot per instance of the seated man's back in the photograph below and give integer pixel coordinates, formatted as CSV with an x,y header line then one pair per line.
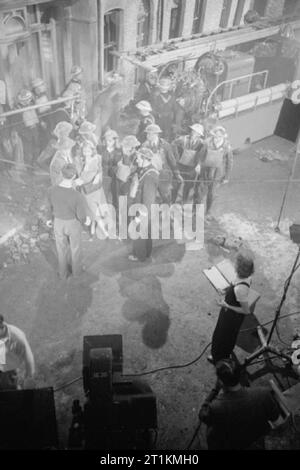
x,y
237,418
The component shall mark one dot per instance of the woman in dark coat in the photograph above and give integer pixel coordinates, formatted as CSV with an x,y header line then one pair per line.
x,y
234,308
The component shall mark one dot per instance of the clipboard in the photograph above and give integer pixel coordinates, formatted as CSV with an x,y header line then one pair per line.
x,y
223,275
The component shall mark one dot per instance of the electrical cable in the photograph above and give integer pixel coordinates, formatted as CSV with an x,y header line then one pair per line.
x,y
154,371
68,384
194,435
183,365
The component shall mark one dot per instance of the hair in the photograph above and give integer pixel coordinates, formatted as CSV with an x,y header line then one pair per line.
x,y
1,319
68,171
244,264
229,372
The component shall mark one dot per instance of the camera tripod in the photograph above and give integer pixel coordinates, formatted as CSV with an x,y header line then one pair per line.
x,y
266,348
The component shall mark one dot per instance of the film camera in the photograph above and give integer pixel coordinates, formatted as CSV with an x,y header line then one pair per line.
x,y
118,413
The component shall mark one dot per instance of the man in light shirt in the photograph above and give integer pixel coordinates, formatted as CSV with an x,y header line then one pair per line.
x,y
15,352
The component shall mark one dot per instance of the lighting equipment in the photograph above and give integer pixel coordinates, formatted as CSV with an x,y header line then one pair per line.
x,y
266,347
118,414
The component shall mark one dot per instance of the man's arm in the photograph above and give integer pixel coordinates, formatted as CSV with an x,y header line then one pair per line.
x,y
205,413
29,359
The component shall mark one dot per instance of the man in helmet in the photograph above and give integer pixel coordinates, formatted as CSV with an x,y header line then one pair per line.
x,y
40,97
77,108
216,167
190,151
146,118
164,161
147,88
143,190
111,154
164,108
29,128
126,165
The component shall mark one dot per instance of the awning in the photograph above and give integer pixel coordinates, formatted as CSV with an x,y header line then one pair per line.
x,y
11,4
155,56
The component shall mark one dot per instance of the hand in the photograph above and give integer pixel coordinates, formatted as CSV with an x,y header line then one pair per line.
x,y
221,303
198,169
29,383
225,181
78,182
49,223
88,221
97,179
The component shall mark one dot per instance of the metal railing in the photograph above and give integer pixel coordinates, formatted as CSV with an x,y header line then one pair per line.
x,y
231,83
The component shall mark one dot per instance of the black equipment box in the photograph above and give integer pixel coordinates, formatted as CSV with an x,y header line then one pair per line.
x,y
28,420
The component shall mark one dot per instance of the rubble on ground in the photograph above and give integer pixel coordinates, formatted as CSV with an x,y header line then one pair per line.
x,y
269,155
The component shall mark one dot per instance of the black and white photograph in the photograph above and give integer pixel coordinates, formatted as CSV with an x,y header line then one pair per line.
x,y
149,228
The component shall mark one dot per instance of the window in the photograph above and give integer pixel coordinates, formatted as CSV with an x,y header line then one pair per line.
x,y
175,22
111,38
239,12
160,16
143,24
260,6
198,16
225,13
290,7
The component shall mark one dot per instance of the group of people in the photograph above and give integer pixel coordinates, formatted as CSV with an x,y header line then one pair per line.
x,y
154,163
24,135
144,166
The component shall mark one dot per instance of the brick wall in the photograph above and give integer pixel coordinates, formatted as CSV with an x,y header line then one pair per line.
x,y
275,8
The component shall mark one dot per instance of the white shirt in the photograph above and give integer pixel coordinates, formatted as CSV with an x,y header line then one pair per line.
x,y
242,291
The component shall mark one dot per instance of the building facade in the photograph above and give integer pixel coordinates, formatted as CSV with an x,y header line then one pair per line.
x,y
117,41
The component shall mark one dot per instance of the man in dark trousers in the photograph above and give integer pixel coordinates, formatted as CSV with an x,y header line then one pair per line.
x,y
164,108
144,191
69,211
164,161
190,151
237,417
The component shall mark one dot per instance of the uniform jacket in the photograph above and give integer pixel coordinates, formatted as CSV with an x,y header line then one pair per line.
x,y
165,151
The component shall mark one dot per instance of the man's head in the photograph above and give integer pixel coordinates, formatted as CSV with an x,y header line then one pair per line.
x,y
144,108
153,132
68,172
39,86
151,78
197,131
165,85
144,157
219,136
228,372
129,144
76,72
110,138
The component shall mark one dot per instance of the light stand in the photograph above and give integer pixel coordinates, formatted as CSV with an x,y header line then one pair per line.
x,y
266,347
290,179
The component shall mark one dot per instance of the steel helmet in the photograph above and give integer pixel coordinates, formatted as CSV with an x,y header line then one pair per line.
x,y
198,128
153,128
144,106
